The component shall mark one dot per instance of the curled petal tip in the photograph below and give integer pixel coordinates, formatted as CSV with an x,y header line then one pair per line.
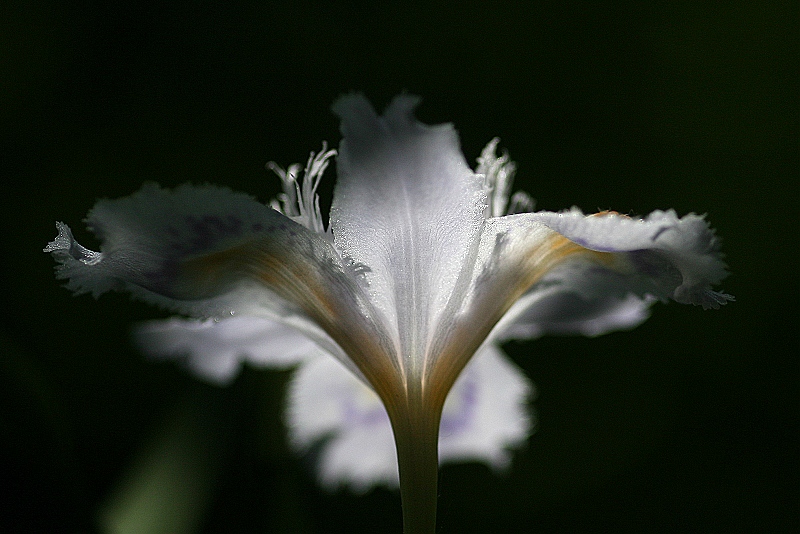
x,y
64,247
62,240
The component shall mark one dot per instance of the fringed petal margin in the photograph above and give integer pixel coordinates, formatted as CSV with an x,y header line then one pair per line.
x,y
216,349
680,257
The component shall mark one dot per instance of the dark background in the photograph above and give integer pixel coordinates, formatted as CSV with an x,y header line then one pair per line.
x,y
689,423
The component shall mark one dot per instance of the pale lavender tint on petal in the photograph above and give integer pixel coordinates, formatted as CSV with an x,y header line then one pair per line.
x,y
626,265
485,417
330,409
459,419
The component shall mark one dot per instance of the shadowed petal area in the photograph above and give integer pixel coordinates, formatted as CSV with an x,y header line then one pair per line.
x,y
188,249
408,208
560,309
209,252
216,350
678,258
543,272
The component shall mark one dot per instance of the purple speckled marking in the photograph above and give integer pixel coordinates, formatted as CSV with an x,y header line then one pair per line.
x,y
210,228
660,231
175,242
452,422
162,280
653,264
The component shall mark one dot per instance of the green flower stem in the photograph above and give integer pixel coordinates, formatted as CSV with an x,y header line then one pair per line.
x,y
416,431
169,484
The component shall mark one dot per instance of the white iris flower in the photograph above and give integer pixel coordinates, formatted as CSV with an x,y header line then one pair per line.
x,y
424,266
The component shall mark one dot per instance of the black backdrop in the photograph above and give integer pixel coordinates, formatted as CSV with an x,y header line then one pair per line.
x,y
689,423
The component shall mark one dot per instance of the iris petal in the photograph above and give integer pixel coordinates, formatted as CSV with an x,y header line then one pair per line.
x,y
216,350
678,257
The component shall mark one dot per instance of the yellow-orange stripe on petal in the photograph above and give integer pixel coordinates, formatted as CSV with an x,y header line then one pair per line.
x,y
315,280
520,258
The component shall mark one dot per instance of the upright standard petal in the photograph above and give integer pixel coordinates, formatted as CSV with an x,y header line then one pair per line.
x,y
408,208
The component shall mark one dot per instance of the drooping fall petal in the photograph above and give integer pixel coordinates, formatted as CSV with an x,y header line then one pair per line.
x,y
485,417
